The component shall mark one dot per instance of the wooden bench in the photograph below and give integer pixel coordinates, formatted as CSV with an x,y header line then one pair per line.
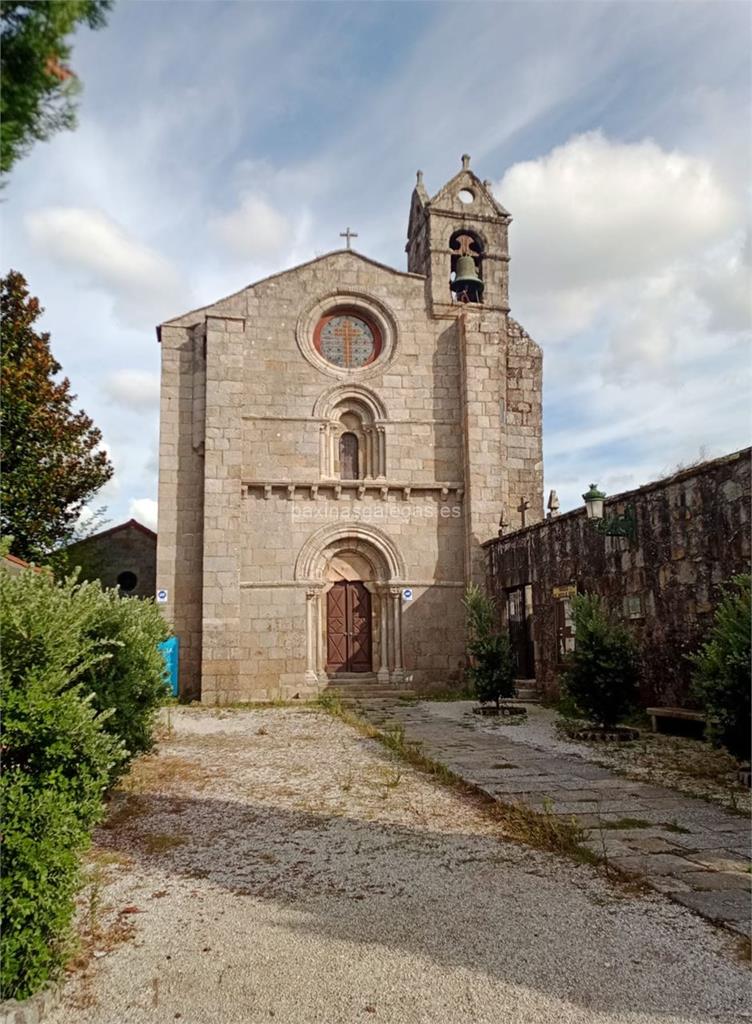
x,y
676,715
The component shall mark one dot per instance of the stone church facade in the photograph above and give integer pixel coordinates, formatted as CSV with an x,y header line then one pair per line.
x,y
337,442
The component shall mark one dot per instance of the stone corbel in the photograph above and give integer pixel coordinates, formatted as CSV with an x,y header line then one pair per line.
x,y
314,492
337,492
405,493
267,491
384,492
291,492
361,492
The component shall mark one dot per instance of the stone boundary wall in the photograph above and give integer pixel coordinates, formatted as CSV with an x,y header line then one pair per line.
x,y
692,534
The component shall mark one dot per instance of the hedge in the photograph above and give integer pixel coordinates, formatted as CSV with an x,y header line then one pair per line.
x,y
81,682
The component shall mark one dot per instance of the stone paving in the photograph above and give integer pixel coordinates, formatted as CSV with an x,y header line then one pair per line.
x,y
696,853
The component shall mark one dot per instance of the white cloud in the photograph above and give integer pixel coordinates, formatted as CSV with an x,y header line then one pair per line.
x,y
594,209
253,230
144,287
595,218
134,389
144,510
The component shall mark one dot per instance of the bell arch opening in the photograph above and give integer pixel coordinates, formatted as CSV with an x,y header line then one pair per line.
x,y
466,266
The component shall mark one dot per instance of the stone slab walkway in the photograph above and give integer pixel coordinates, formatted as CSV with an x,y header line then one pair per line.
x,y
695,852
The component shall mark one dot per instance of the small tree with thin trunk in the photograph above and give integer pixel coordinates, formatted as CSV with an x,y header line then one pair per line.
x,y
491,668
722,670
600,677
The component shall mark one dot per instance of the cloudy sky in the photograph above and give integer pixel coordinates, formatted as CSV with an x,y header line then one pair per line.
x,y
220,142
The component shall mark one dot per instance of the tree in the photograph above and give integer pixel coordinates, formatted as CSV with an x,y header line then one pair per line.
x,y
601,672
50,457
38,89
491,667
723,667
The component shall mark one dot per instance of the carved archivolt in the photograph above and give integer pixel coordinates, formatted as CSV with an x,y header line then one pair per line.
x,y
369,541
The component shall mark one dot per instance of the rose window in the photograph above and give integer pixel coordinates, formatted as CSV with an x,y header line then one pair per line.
x,y
347,340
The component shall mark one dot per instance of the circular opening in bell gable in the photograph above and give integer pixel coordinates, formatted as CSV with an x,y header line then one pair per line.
x,y
465,196
127,581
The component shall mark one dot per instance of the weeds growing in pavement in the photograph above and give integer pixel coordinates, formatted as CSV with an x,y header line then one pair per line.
x,y
543,829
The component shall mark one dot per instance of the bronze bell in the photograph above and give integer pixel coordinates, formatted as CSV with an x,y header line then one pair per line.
x,y
466,284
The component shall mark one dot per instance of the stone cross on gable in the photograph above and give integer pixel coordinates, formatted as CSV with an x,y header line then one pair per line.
x,y
348,235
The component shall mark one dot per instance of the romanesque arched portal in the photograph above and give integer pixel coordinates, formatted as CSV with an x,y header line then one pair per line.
x,y
339,562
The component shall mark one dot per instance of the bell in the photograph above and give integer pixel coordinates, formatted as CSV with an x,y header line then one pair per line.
x,y
466,283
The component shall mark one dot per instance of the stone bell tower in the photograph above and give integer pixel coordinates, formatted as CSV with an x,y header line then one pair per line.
x,y
462,220
458,241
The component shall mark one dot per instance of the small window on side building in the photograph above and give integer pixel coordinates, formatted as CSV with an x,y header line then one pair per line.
x,y
127,581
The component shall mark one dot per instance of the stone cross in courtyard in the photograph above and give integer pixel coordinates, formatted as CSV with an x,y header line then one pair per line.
x,y
522,508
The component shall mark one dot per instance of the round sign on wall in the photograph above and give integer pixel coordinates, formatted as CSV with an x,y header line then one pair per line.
x,y
407,594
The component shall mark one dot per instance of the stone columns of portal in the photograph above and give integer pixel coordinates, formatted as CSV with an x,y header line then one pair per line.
x,y
382,672
313,632
395,594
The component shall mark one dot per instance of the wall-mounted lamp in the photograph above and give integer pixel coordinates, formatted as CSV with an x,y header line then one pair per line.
x,y
617,526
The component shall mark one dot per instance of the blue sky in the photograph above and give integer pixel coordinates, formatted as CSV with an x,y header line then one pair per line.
x,y
220,142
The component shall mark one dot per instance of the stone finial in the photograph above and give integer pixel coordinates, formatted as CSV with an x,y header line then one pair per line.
x,y
553,504
503,521
419,177
488,183
465,162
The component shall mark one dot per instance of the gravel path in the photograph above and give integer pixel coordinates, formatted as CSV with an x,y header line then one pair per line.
x,y
276,866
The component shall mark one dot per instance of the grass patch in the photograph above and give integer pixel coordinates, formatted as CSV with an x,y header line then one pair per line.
x,y
673,826
104,858
123,808
157,842
626,823
444,696
155,773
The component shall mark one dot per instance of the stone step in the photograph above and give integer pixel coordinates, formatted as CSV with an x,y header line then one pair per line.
x,y
368,693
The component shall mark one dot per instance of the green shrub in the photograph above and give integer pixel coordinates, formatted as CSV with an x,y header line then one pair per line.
x,y
81,681
600,677
722,670
57,763
491,669
49,621
132,680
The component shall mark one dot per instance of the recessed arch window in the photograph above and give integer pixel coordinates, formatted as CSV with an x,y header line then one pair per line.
x,y
349,456
347,411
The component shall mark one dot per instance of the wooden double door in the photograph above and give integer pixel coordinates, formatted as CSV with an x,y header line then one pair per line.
x,y
348,628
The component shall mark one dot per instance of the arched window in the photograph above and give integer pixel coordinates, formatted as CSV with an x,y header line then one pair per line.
x,y
361,417
348,457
